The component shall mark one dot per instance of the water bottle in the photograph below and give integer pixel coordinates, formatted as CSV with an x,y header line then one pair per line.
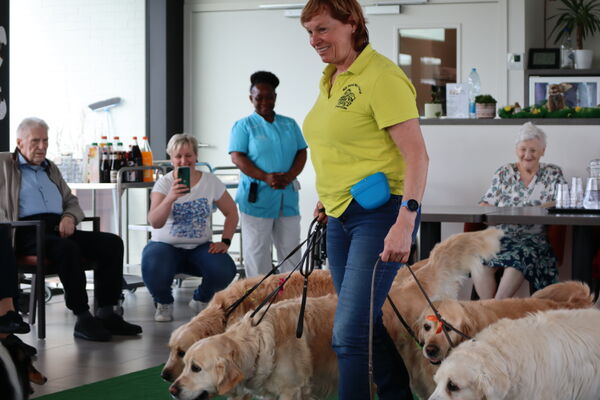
x,y
474,91
567,54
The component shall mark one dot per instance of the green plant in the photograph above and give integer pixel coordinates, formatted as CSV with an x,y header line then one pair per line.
x,y
485,99
579,16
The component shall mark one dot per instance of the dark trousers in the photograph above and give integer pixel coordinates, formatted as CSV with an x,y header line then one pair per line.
x,y
65,256
8,268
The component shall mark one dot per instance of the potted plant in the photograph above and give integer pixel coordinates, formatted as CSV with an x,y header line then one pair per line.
x,y
434,108
581,17
485,106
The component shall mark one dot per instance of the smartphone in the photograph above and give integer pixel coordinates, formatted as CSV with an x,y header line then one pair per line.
x,y
252,194
183,173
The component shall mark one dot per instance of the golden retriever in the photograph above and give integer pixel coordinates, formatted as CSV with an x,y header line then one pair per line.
x,y
471,317
548,355
266,359
441,276
213,320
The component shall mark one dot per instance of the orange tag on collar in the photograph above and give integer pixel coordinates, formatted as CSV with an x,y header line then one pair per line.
x,y
435,319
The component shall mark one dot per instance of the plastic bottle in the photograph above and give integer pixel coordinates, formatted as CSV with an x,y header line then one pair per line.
x,y
103,141
567,54
147,159
104,168
137,159
474,91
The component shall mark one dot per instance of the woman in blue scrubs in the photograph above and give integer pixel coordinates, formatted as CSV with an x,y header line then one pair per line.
x,y
270,152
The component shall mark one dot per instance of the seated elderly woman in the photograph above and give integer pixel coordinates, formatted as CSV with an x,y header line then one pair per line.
x,y
181,232
525,251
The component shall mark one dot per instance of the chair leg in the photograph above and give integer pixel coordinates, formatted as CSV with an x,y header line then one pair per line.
x,y
32,299
41,304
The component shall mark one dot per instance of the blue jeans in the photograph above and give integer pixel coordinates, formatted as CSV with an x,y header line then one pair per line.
x,y
162,261
354,241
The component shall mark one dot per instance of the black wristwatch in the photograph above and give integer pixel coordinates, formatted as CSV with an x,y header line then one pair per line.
x,y
226,241
411,205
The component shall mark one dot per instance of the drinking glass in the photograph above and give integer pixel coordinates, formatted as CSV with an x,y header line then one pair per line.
x,y
562,195
576,192
591,199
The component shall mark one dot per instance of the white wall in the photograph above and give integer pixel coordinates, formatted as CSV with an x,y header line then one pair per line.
x,y
66,54
228,41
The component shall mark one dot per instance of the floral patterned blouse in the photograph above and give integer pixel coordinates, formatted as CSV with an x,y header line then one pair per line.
x,y
507,190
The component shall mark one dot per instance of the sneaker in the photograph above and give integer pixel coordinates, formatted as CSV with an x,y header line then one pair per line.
x,y
91,328
116,325
11,322
197,305
164,312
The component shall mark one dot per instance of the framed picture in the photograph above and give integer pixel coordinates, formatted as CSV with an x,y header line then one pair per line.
x,y
583,91
544,58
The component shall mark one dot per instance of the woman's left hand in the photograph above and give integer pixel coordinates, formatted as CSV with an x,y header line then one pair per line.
x,y
217,247
397,244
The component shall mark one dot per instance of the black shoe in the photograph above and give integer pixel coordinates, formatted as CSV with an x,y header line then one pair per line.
x,y
118,326
11,322
91,328
13,340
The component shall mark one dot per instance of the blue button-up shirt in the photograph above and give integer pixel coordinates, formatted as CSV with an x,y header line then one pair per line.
x,y
38,195
272,147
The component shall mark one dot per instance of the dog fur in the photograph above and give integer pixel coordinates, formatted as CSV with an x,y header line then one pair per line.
x,y
441,276
212,319
266,359
548,355
556,96
470,317
17,371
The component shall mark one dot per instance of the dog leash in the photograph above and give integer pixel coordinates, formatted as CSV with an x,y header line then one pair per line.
x,y
313,240
407,327
239,301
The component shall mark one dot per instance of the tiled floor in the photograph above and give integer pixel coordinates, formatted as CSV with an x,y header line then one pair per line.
x,y
69,362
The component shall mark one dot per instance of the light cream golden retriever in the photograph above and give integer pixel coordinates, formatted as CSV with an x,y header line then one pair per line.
x,y
548,355
266,359
442,276
213,320
471,317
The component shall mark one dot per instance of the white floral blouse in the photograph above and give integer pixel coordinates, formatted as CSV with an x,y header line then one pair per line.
x,y
507,190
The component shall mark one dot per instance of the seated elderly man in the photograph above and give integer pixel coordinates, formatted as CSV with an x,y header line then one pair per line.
x,y
32,188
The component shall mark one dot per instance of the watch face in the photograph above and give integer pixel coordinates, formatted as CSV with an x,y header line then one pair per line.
x,y
412,205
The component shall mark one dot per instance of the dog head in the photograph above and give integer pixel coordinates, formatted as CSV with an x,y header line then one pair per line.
x,y
558,88
470,373
208,322
430,330
210,368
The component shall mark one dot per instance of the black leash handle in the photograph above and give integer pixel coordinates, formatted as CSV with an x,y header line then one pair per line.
x,y
239,301
300,326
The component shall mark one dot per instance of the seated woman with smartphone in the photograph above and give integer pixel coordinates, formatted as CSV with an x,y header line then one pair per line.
x,y
180,215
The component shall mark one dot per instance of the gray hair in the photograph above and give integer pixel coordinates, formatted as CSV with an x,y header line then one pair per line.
x,y
529,131
28,123
182,139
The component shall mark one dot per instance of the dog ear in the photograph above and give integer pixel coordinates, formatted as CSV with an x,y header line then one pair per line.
x,y
228,375
494,382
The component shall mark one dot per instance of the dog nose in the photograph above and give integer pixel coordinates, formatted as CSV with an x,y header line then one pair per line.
x,y
166,375
431,350
174,390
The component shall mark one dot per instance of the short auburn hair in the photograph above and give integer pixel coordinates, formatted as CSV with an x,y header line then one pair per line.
x,y
345,11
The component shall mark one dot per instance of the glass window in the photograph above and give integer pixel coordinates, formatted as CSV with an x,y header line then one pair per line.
x,y
428,57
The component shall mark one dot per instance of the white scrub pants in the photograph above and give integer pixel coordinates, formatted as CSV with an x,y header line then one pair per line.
x,y
258,237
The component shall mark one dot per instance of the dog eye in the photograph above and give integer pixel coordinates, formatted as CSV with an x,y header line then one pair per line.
x,y
451,386
180,353
426,327
196,368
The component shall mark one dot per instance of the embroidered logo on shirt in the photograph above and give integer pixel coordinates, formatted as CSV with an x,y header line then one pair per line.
x,y
350,92
190,219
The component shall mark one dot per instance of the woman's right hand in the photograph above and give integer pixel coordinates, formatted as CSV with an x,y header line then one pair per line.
x,y
319,213
177,190
275,181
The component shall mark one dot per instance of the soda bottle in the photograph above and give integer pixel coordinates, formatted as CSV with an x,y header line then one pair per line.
x,y
104,168
115,165
147,159
137,159
474,91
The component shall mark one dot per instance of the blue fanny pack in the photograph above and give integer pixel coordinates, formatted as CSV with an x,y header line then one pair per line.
x,y
372,191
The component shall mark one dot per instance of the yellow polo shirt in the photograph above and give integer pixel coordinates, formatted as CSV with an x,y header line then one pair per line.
x,y
345,129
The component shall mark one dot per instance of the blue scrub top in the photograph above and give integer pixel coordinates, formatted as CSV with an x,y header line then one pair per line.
x,y
272,147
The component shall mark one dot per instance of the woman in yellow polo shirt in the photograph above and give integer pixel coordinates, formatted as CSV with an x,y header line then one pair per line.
x,y
364,124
